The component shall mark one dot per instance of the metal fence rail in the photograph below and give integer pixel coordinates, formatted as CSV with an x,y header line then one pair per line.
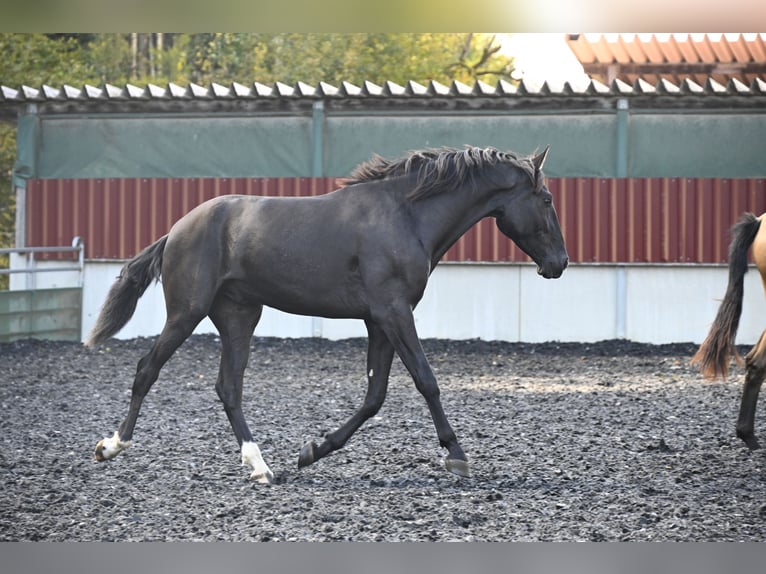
x,y
31,268
48,313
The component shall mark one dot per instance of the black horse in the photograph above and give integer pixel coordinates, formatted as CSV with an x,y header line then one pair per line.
x,y
364,251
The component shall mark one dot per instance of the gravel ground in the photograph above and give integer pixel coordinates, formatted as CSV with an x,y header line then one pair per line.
x,y
611,441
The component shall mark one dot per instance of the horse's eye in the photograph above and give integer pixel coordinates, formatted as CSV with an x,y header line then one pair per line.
x,y
548,201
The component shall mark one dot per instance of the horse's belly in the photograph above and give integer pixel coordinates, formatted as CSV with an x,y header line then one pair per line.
x,y
301,297
318,307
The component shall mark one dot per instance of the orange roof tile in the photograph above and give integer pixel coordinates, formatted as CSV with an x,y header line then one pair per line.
x,y
672,57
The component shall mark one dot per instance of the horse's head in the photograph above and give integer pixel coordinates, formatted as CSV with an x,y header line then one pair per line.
x,y
528,217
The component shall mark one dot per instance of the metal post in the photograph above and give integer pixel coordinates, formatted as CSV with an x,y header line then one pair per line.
x,y
317,136
78,244
621,150
317,170
27,146
31,275
621,168
21,216
621,303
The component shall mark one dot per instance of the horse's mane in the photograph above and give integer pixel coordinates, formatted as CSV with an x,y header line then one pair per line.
x,y
436,169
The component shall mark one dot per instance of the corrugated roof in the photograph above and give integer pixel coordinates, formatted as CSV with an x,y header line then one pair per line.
x,y
722,58
369,90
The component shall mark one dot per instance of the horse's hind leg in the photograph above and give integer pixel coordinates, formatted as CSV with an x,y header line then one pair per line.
x,y
380,355
175,332
235,324
755,373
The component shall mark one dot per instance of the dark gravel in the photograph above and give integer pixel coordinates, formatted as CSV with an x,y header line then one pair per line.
x,y
579,442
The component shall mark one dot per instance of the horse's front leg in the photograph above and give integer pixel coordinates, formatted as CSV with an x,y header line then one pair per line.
x,y
380,355
235,324
399,327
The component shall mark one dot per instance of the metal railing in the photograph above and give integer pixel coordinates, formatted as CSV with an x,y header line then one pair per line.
x,y
42,312
31,267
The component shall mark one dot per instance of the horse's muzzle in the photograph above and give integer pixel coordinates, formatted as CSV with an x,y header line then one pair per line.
x,y
550,270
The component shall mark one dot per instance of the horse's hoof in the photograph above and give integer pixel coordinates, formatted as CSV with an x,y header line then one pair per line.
x,y
251,456
108,448
306,456
458,467
751,442
748,437
262,477
98,456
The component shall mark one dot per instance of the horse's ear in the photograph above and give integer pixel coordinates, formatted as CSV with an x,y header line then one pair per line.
x,y
539,159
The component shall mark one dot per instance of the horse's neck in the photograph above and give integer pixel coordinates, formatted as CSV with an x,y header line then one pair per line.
x,y
446,216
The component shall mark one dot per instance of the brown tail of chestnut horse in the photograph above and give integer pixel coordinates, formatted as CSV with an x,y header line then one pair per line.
x,y
717,349
121,301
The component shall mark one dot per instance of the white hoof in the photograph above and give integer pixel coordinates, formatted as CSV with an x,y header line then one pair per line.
x,y
251,456
110,447
263,478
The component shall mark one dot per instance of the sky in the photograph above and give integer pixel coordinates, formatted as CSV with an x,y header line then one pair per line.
x,y
546,57
543,57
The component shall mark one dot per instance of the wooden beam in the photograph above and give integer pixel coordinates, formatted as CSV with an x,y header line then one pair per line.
x,y
675,69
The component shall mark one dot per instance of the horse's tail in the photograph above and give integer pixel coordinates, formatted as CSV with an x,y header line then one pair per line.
x,y
714,354
121,301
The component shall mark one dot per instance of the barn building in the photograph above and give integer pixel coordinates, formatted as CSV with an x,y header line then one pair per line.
x,y
648,177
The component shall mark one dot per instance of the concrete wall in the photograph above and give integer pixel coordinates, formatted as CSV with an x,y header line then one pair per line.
x,y
508,302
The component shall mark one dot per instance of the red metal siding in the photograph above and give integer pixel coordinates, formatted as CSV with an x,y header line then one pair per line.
x,y
658,220
653,220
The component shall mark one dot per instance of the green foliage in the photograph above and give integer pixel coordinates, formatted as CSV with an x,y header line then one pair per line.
x,y
7,196
31,59
141,58
36,59
355,58
110,56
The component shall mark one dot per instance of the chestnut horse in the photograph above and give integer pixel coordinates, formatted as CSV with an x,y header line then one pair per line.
x,y
718,347
364,251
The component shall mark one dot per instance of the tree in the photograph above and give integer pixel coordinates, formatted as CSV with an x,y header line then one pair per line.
x,y
355,58
31,59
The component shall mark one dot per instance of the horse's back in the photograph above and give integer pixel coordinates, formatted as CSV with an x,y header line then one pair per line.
x,y
221,205
301,255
